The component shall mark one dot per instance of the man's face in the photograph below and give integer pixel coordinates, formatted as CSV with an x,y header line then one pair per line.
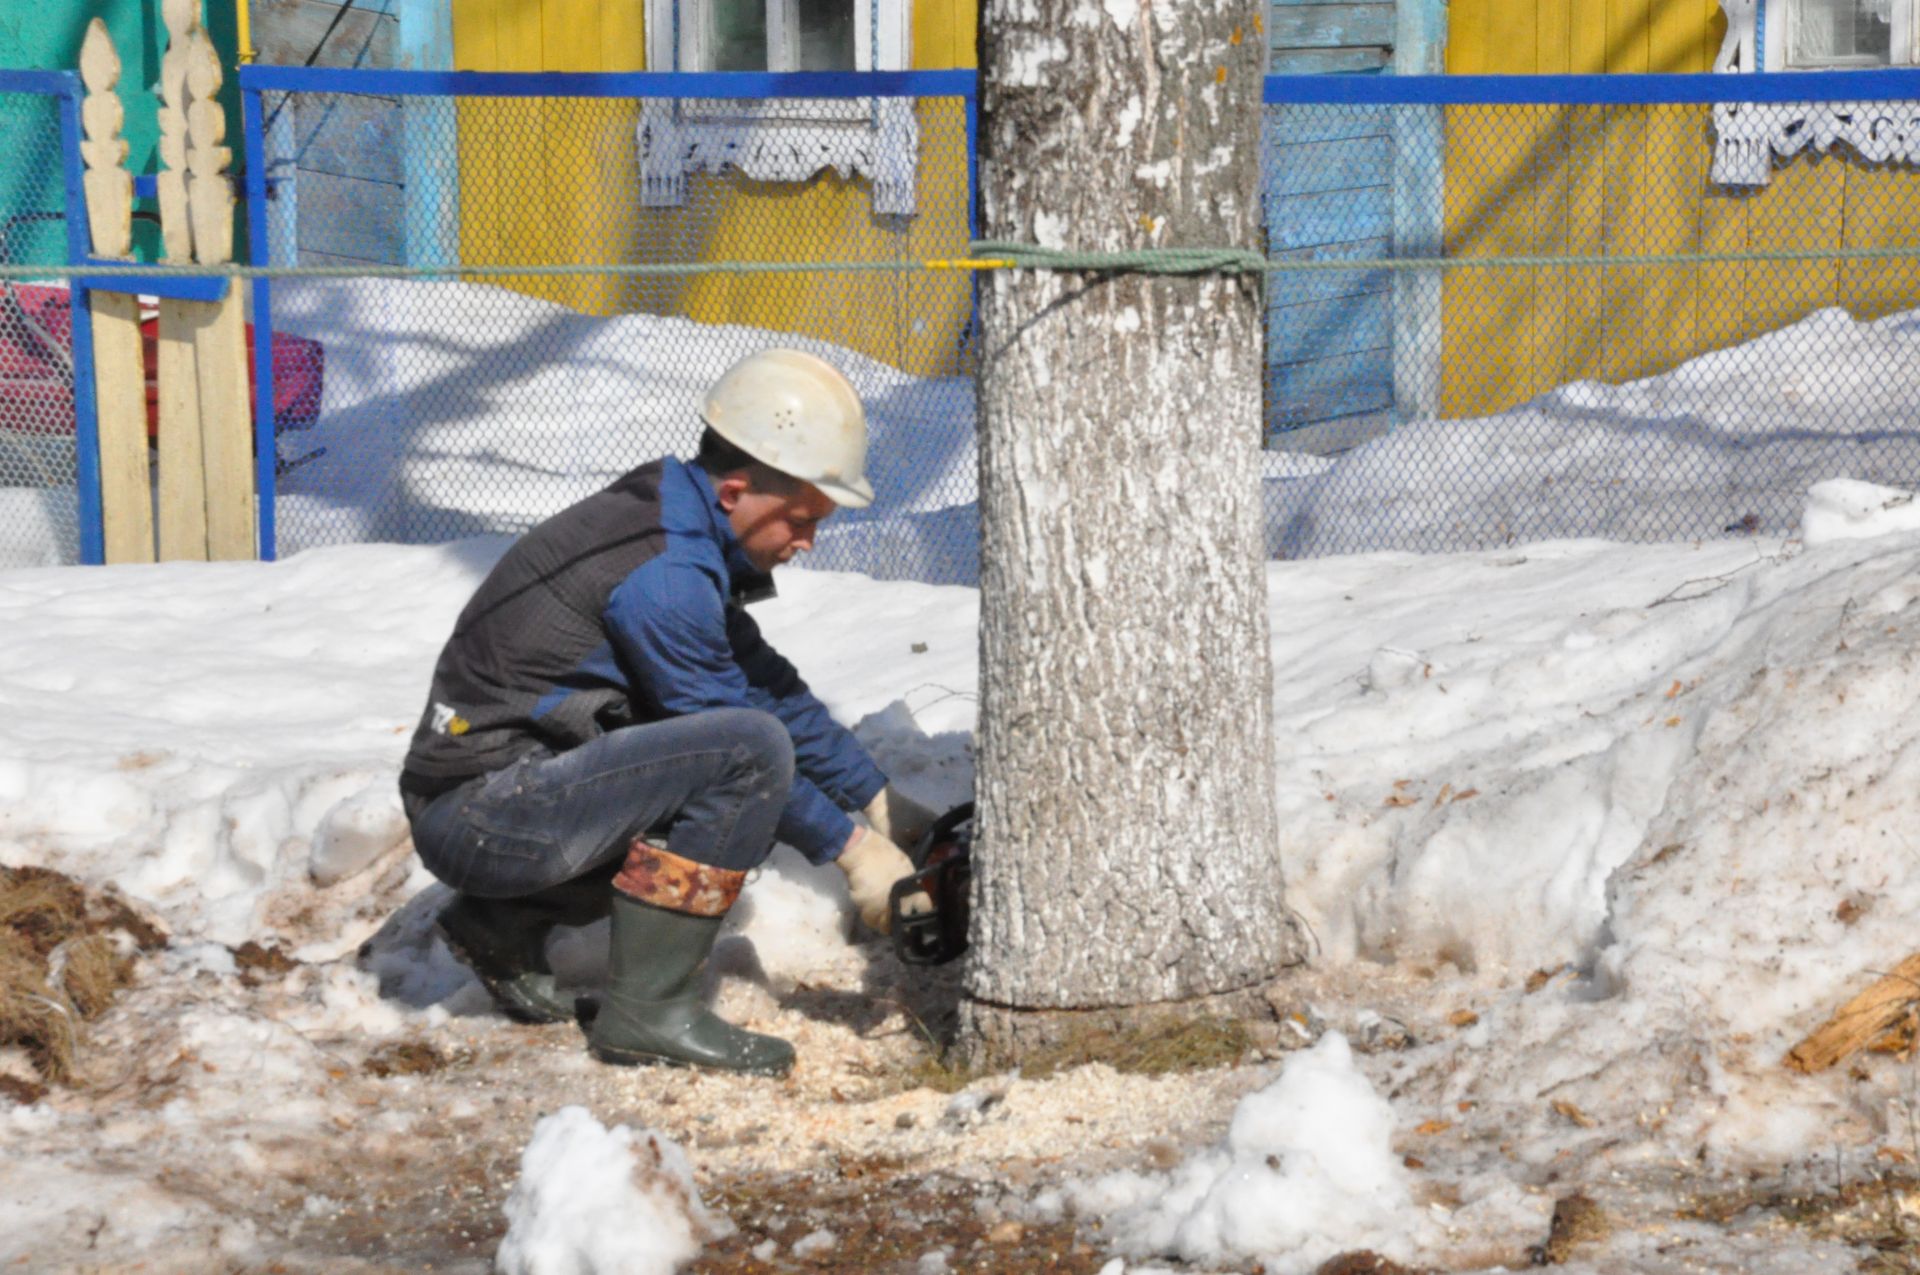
x,y
772,528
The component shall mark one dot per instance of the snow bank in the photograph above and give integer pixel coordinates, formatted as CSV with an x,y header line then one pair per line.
x,y
1843,509
614,1201
222,742
456,409
1306,1172
37,527
1728,441
453,409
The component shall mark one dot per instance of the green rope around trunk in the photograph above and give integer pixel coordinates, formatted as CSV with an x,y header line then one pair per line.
x,y
1023,256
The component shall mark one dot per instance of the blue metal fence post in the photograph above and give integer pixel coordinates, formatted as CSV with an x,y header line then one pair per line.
x,y
259,253
86,410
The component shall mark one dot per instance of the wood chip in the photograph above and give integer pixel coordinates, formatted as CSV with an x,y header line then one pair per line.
x,y
1861,1021
1574,1113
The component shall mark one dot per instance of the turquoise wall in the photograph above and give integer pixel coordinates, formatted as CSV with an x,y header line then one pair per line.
x,y
46,35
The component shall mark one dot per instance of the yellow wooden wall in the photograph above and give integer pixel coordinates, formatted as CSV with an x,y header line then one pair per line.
x,y
558,181
538,177
1631,180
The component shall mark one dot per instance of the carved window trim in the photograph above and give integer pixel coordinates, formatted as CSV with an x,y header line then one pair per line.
x,y
1750,136
787,141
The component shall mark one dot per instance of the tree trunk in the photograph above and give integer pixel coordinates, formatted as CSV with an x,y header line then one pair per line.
x,y
1126,852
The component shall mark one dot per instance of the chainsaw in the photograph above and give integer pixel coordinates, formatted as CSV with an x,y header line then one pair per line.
x,y
943,871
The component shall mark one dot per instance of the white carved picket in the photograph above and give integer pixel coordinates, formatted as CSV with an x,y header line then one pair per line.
x,y
126,497
206,503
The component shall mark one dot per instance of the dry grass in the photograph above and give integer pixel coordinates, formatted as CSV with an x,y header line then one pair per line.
x,y
61,963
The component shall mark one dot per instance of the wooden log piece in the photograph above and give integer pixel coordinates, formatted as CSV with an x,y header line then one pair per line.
x,y
1860,1021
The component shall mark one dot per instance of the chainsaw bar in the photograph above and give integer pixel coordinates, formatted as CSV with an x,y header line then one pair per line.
x,y
944,859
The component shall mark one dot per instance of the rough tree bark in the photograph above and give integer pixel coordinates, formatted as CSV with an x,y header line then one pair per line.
x,y
1126,854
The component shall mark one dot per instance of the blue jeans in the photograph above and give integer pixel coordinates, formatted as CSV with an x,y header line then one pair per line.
x,y
716,781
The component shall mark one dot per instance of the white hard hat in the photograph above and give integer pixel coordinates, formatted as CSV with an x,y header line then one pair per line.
x,y
799,415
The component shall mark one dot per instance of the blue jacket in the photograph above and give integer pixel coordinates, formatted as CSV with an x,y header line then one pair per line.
x,y
629,607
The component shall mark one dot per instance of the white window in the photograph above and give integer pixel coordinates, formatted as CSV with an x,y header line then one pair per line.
x,y
1847,33
774,35
789,140
1804,35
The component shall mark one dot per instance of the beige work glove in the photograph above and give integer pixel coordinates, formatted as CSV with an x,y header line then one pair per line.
x,y
872,864
898,817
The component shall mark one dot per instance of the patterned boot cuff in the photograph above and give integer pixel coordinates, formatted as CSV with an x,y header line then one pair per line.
x,y
666,880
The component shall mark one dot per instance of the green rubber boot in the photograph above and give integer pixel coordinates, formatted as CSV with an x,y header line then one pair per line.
x,y
652,1013
504,943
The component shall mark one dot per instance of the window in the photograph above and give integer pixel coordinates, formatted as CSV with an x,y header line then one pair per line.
x,y
1847,33
772,35
1811,35
1804,35
789,140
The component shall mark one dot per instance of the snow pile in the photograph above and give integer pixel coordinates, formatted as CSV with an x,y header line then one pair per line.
x,y
1307,1172
1493,736
37,526
456,409
615,1201
1843,509
1728,441
453,409
222,740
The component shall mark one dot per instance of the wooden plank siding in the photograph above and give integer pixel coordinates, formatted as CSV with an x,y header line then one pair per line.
x,y
1628,180
1331,26
348,171
558,180
1329,183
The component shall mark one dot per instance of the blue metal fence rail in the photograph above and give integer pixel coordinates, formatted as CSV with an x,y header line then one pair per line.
x,y
1899,84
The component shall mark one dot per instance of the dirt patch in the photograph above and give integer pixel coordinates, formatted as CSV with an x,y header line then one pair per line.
x,y
258,962
1880,1215
410,1058
1364,1262
1577,1220
65,951
865,1219
1200,1044
24,1092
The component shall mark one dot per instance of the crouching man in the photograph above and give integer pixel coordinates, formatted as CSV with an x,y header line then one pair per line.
x,y
608,732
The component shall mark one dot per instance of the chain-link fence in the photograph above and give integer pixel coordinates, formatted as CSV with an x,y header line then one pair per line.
x,y
1636,307
1639,308
39,520
483,405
